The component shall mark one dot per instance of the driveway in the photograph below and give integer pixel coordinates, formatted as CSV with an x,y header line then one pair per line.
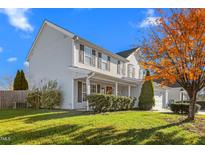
x,y
201,112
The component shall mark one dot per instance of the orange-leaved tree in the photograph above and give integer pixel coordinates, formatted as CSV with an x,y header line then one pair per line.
x,y
175,51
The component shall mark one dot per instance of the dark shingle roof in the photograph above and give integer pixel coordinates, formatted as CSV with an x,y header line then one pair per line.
x,y
126,53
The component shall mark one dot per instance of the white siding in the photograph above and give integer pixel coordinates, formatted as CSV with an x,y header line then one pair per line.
x,y
50,61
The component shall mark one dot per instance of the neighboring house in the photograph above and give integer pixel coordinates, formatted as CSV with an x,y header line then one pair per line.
x,y
81,68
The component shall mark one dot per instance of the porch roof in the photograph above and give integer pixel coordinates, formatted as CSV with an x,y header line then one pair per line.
x,y
100,76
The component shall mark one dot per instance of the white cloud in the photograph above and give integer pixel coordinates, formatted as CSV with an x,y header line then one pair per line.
x,y
1,49
26,64
18,18
150,12
150,21
12,59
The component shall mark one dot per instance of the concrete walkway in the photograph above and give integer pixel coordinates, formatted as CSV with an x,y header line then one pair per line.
x,y
201,112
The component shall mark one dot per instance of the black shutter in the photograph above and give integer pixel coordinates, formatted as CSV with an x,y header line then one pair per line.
x,y
81,53
98,88
79,91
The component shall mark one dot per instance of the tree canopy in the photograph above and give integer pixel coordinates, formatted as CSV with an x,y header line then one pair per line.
x,y
175,50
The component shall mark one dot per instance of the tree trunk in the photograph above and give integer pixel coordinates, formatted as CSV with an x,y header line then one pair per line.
x,y
192,97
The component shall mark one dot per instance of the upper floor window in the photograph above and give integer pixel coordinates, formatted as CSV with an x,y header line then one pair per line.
x,y
131,71
87,55
120,68
103,62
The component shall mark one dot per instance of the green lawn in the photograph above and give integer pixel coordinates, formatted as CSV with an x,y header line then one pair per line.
x,y
71,127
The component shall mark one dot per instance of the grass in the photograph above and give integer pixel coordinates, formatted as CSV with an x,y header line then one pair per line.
x,y
72,127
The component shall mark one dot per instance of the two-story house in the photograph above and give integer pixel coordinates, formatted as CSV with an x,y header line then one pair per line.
x,y
81,67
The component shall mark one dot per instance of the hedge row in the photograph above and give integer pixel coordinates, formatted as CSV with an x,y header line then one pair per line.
x,y
201,103
106,103
183,108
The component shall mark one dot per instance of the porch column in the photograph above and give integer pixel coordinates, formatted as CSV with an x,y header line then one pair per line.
x,y
116,88
72,93
87,91
166,98
129,89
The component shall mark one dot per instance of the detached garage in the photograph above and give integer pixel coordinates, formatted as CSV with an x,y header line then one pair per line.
x,y
160,96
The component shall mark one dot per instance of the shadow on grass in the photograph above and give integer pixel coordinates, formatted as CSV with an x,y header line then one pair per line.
x,y
31,115
78,134
53,116
28,136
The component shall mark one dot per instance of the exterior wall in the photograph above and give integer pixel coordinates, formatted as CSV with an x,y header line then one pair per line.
x,y
174,94
50,61
132,60
113,64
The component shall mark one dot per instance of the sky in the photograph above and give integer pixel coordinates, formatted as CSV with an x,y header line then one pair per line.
x,y
112,29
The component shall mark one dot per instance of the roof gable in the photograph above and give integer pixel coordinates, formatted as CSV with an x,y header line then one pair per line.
x,y
127,53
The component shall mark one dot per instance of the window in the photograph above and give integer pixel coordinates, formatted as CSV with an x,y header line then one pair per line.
x,y
88,55
120,68
133,72
93,88
104,62
129,70
123,69
81,54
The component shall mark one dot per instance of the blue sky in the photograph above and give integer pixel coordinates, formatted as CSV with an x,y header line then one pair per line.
x,y
113,29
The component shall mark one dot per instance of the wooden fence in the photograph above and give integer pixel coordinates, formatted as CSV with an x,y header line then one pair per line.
x,y
9,99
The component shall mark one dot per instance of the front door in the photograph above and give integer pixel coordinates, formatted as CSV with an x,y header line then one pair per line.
x,y
108,90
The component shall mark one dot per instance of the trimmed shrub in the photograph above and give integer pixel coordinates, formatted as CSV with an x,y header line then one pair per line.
x,y
34,98
201,103
182,108
146,99
49,96
107,103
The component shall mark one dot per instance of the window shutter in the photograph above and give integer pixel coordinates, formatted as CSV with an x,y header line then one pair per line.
x,y
99,60
98,88
93,57
108,63
81,53
79,91
118,67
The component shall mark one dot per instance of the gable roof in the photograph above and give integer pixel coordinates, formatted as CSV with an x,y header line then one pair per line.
x,y
72,35
46,22
127,53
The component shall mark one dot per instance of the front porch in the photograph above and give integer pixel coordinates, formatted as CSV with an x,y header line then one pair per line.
x,y
104,85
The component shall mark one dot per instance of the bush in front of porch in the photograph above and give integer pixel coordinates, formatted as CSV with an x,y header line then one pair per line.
x,y
107,103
